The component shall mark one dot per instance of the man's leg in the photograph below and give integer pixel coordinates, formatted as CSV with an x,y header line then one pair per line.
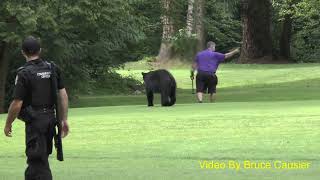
x,y
213,81
200,97
212,97
200,85
38,169
37,155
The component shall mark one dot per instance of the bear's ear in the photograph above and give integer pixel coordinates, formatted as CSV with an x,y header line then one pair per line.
x,y
144,74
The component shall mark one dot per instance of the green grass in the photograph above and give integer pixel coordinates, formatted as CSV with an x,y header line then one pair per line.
x,y
264,113
237,83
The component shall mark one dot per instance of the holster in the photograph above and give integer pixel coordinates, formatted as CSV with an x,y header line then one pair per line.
x,y
26,114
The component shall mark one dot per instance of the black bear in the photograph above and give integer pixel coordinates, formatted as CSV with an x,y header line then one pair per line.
x,y
160,81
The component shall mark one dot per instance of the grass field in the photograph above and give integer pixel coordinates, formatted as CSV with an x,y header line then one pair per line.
x,y
263,113
237,83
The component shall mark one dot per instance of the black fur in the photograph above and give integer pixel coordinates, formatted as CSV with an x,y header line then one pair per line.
x,y
160,81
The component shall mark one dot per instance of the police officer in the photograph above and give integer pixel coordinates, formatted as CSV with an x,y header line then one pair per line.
x,y
33,92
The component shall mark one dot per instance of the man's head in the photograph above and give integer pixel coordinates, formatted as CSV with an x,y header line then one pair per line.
x,y
31,47
211,45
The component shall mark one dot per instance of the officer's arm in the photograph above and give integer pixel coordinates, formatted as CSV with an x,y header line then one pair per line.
x,y
63,106
64,103
13,112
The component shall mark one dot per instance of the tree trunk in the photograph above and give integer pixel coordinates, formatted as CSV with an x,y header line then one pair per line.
x,y
286,37
257,41
190,19
3,74
200,24
165,52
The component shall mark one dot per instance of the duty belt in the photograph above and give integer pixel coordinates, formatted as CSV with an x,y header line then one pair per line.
x,y
43,108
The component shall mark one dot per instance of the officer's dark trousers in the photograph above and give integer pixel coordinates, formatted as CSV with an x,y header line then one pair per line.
x,y
39,135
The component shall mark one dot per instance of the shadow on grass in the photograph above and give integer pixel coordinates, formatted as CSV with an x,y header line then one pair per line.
x,y
288,91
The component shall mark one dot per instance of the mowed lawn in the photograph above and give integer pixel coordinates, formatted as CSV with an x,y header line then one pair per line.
x,y
264,113
237,83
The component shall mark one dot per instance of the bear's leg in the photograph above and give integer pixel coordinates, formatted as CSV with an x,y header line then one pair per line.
x,y
165,100
172,96
150,98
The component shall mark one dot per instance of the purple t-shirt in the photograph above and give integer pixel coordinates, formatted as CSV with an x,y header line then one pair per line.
x,y
208,61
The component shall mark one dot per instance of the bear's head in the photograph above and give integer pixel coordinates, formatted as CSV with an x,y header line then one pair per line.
x,y
144,75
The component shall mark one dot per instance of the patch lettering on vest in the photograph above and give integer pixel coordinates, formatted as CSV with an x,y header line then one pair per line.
x,y
44,75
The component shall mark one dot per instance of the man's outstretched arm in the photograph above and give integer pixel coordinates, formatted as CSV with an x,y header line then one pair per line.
x,y
232,53
64,105
13,112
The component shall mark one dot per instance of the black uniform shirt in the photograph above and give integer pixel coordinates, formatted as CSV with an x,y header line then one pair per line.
x,y
33,84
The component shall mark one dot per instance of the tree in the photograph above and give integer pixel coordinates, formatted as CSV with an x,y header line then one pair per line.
x,y
165,52
285,37
298,25
285,13
108,29
305,39
3,73
200,24
190,18
223,25
16,20
149,13
256,40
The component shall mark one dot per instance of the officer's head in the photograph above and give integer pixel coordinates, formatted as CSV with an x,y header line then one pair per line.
x,y
31,47
211,45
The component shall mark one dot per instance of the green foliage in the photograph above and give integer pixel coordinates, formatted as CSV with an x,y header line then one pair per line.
x,y
284,8
149,12
113,83
85,38
178,12
16,20
223,24
146,63
305,41
184,45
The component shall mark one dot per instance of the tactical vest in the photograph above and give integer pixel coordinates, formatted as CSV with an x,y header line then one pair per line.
x,y
39,84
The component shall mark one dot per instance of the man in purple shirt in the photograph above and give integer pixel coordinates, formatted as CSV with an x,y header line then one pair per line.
x,y
206,63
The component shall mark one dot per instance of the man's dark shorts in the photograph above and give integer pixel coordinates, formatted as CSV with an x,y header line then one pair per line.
x,y
206,82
